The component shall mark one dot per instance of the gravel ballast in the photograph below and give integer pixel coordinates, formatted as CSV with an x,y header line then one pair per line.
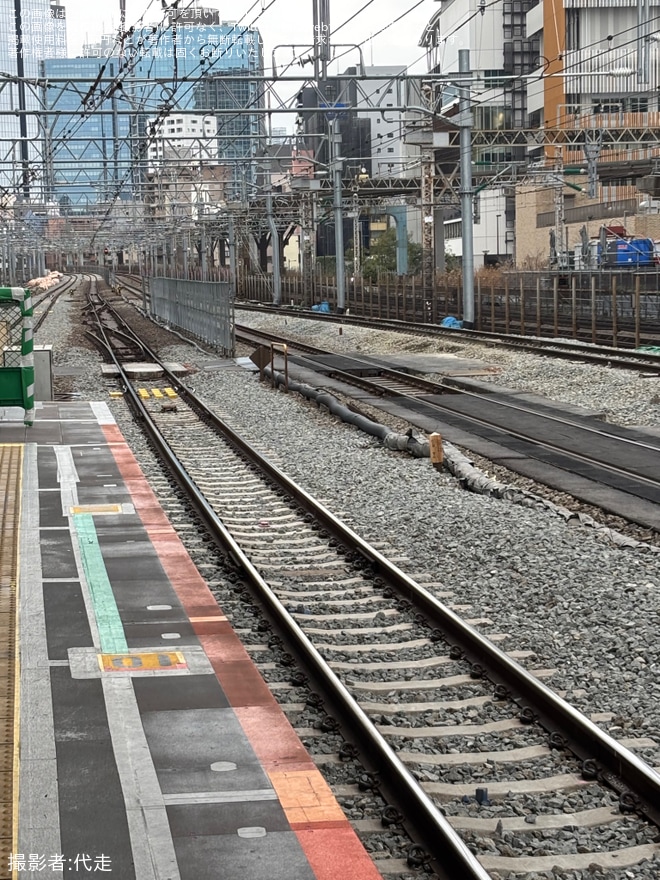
x,y
559,589
585,608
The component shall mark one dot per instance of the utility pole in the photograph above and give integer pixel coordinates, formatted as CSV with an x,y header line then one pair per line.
x,y
336,165
232,255
275,242
321,39
22,116
465,125
428,234
561,251
203,252
593,141
307,267
357,238
643,42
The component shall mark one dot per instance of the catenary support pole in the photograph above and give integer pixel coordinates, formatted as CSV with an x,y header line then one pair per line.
x,y
465,125
335,142
274,246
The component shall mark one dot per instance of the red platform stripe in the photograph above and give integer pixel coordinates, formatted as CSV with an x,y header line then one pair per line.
x,y
331,846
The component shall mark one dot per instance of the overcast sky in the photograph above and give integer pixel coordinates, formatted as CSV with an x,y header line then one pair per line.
x,y
287,21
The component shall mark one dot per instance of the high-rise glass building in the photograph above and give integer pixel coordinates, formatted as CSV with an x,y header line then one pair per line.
x,y
194,64
87,157
203,65
30,30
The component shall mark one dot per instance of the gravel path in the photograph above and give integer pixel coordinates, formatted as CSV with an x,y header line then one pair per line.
x,y
586,608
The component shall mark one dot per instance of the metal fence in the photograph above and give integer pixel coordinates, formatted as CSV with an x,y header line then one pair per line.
x,y
622,307
203,308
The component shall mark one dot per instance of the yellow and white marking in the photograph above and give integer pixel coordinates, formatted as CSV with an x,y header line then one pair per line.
x,y
165,660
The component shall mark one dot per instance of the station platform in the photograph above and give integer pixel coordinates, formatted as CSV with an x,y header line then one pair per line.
x,y
146,745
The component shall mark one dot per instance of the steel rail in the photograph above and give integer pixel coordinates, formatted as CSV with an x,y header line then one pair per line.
x,y
453,857
549,347
434,388
621,769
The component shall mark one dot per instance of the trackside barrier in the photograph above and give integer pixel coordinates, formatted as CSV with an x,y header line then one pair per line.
x,y
17,380
203,308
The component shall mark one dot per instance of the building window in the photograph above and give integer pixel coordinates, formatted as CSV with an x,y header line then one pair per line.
x,y
638,105
572,29
390,149
494,79
608,105
453,230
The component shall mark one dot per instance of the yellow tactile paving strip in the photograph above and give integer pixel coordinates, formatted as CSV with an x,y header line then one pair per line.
x,y
11,464
96,508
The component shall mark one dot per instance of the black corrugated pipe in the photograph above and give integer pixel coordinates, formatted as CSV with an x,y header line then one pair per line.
x,y
407,442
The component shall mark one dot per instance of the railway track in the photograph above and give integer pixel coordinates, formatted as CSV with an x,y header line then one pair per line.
x,y
624,461
43,306
475,756
603,355
594,354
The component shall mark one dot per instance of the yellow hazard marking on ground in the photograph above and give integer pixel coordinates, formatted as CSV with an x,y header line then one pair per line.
x,y
96,508
116,394
165,660
170,392
144,394
156,392
11,473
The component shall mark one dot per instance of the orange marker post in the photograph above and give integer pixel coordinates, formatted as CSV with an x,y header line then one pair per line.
x,y
437,455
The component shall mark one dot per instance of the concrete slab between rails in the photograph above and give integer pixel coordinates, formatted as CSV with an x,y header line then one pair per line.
x,y
144,370
364,588
396,664
221,363
549,821
246,363
452,729
425,362
358,615
357,631
529,753
517,396
367,649
619,858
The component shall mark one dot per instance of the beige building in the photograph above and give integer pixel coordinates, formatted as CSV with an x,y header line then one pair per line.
x,y
539,207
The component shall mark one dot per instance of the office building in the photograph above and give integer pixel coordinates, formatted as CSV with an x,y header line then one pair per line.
x,y
30,30
187,68
542,64
88,159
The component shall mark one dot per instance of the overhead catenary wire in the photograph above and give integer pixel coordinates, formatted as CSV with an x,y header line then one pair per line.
x,y
476,101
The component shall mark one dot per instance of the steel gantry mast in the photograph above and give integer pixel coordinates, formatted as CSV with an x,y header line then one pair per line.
x,y
71,101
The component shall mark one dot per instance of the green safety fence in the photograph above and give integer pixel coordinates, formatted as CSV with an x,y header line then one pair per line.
x,y
17,382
